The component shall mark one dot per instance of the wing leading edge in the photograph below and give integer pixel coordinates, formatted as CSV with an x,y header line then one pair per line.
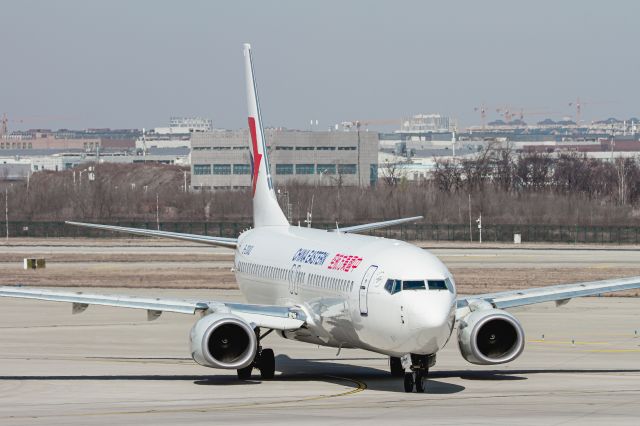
x,y
560,294
216,241
267,316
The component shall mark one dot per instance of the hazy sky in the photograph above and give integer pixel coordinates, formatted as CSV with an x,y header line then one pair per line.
x,y
112,63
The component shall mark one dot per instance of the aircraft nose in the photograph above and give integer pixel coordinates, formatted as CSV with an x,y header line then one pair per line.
x,y
432,318
431,313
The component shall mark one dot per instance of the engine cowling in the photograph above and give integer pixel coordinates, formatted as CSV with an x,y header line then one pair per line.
x,y
490,336
223,341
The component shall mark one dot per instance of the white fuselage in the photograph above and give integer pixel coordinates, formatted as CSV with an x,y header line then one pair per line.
x,y
339,279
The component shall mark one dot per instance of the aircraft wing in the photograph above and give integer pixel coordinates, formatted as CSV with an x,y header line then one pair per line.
x,y
560,294
215,241
376,225
267,316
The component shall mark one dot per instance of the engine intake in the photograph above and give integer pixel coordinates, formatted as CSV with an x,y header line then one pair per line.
x,y
490,336
223,341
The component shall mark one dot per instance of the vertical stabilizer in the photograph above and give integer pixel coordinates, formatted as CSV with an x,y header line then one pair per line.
x,y
266,211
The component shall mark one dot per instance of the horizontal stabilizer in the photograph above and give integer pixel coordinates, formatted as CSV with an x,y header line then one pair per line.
x,y
216,241
376,225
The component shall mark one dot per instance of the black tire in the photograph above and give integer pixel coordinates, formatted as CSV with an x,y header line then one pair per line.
x,y
245,373
267,364
408,382
396,367
421,381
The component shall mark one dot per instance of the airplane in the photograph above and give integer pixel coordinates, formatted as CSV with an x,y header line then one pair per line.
x,y
333,288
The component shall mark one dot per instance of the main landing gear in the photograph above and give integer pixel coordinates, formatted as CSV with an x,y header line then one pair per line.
x,y
419,370
264,361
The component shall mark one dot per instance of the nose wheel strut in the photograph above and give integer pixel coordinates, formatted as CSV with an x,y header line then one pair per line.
x,y
417,379
418,366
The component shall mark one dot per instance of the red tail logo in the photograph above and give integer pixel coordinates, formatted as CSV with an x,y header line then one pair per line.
x,y
256,157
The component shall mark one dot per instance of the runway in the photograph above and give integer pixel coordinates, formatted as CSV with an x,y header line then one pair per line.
x,y
581,365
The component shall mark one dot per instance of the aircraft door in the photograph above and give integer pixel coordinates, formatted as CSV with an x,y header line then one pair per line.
x,y
364,289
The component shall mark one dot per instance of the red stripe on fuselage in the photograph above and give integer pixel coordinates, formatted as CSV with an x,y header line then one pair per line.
x,y
257,157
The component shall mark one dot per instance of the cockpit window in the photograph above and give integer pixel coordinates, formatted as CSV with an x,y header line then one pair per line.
x,y
413,285
450,285
437,285
393,286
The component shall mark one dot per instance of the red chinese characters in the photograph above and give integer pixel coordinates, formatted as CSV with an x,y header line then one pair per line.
x,y
344,262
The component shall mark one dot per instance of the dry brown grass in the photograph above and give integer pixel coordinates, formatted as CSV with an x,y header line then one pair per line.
x,y
469,280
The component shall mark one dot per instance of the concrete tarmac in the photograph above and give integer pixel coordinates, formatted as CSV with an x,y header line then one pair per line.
x,y
581,365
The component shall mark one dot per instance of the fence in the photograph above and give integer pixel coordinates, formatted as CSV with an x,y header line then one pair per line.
x,y
415,232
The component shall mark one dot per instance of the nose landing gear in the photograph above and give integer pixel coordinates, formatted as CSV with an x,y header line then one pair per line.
x,y
419,370
417,378
264,361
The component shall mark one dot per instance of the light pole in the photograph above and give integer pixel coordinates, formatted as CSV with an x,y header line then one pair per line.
x,y
6,211
479,221
470,229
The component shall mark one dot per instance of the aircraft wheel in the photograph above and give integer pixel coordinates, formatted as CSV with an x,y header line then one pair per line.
x,y
396,367
421,379
245,373
267,364
408,382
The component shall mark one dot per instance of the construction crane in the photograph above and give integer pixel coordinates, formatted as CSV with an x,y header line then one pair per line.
x,y
580,104
506,113
526,113
509,113
4,123
483,114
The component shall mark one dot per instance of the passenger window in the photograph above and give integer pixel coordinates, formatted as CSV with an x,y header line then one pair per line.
x,y
413,285
437,285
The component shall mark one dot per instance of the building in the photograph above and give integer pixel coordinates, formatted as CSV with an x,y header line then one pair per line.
x,y
59,160
221,159
164,137
38,140
191,124
425,123
177,135
14,170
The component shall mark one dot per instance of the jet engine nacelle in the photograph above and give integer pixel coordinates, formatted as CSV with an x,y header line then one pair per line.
x,y
490,336
223,341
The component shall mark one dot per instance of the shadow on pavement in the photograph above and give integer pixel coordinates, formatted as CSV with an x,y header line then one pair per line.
x,y
337,371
